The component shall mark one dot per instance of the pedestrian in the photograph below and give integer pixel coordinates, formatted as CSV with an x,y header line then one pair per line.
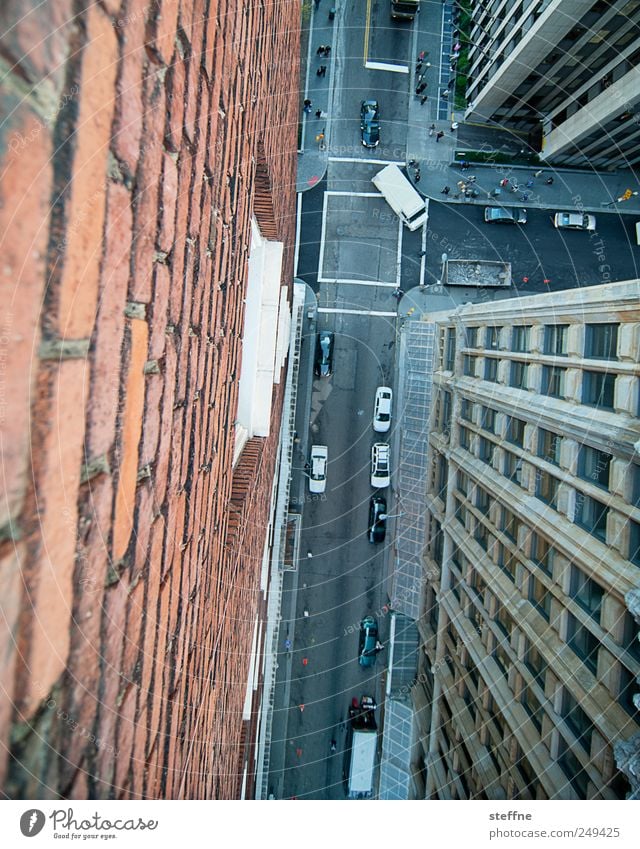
x,y
417,175
451,83
421,56
515,187
432,129
421,254
423,99
309,554
472,179
525,197
439,135
327,51
465,165
538,173
307,106
444,94
421,88
412,163
319,71
418,66
320,50
529,183
323,69
549,181
318,113
504,182
445,191
287,644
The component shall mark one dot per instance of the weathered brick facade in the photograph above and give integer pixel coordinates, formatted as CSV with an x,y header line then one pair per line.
x,y
137,140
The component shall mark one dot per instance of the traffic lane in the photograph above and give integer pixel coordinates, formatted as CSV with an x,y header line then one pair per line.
x,y
537,251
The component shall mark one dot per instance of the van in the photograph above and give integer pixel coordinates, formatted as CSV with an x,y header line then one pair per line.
x,y
403,199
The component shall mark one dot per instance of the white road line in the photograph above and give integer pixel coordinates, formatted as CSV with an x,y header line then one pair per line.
x,y
345,280
399,255
383,66
298,223
354,194
323,231
357,159
357,312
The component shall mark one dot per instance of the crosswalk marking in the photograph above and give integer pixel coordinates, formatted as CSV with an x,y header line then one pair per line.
x,y
357,312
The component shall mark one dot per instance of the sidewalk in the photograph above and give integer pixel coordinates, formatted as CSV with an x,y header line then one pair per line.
x,y
572,189
313,156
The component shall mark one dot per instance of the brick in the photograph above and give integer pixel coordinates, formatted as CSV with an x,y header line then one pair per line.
x,y
126,728
175,82
23,25
51,590
158,315
25,196
168,208
161,30
152,414
131,430
11,597
127,128
86,207
106,365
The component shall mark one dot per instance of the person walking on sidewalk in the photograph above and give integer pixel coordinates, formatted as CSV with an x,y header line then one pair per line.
x,y
423,99
504,182
320,50
327,51
445,191
421,88
417,176
439,135
432,129
549,181
538,173
306,107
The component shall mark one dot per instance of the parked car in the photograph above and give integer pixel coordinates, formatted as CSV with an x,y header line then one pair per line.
x,y
377,518
380,473
574,221
369,123
368,648
318,468
324,354
382,409
500,215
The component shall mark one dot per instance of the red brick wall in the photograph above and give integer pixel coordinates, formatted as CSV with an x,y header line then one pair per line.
x,y
130,550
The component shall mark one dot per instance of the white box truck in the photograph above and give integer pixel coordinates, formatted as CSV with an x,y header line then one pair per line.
x,y
363,759
404,10
403,199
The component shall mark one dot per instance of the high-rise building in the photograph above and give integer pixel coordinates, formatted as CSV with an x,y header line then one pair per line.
x,y
147,186
563,71
533,552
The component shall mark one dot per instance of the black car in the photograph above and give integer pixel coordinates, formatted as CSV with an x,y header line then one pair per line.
x,y
369,123
324,354
377,518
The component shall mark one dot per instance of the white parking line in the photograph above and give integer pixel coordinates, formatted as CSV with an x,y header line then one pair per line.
x,y
384,66
351,159
357,312
356,282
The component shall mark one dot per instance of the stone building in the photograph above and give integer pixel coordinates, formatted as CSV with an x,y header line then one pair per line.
x,y
531,652
147,188
564,71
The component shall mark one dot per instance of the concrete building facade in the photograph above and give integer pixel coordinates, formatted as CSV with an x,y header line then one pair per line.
x,y
564,73
147,183
531,652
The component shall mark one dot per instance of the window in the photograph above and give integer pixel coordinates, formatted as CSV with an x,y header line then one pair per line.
x,y
583,642
483,501
510,524
539,597
549,446
460,512
472,337
547,488
598,389
591,515
519,375
577,720
440,477
553,381
515,431
445,412
463,482
555,339
503,621
477,584
466,410
512,467
586,592
634,542
634,472
489,419
493,338
485,449
481,535
627,687
465,437
601,341
535,663
542,553
501,657
469,365
630,640
450,349
507,561
594,465
491,369
573,770
532,706
520,338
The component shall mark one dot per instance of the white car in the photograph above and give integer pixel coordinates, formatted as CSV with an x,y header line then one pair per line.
x,y
318,468
382,409
574,221
380,474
